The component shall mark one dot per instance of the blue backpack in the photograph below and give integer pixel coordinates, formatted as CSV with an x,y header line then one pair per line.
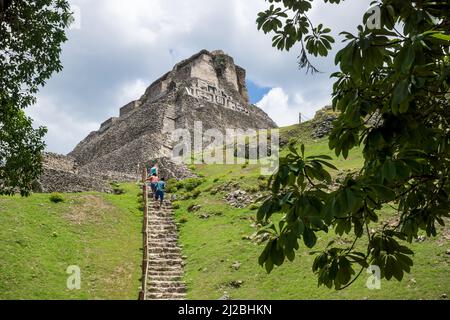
x,y
160,186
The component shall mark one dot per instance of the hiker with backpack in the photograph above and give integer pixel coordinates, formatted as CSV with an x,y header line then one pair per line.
x,y
160,190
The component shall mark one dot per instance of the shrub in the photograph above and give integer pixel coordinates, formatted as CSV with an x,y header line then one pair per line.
x,y
183,220
254,207
170,188
196,193
192,183
213,192
56,198
117,190
216,180
114,184
252,189
176,206
186,196
263,185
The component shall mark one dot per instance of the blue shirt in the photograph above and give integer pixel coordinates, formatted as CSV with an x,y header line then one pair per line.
x,y
160,186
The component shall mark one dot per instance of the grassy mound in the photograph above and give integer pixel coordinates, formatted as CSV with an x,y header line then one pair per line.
x,y
222,257
40,239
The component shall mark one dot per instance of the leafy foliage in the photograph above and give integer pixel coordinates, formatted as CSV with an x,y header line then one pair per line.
x,y
30,44
56,198
393,94
291,24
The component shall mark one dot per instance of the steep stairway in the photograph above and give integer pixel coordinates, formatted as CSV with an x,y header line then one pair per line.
x,y
165,263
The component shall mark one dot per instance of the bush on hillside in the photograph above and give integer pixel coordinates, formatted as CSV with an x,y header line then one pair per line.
x,y
56,198
183,220
196,193
191,183
176,206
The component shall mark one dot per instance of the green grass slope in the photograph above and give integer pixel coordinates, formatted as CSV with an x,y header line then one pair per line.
x,y
216,236
99,233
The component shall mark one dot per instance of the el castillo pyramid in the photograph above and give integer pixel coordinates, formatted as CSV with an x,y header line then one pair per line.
x,y
208,87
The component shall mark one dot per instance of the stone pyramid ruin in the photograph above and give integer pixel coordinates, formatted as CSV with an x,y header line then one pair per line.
x,y
208,87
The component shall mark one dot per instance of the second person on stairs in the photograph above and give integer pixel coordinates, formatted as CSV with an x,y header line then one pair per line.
x,y
160,189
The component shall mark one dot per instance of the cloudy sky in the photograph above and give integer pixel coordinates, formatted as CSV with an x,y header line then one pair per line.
x,y
122,46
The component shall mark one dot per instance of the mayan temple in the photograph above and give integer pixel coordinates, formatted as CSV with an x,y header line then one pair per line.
x,y
207,88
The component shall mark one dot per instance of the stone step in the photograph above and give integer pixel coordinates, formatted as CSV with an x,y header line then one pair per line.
x,y
152,283
156,219
165,236
163,225
165,262
161,255
159,241
170,230
173,296
165,278
167,227
162,250
166,290
160,269
162,245
170,274
156,210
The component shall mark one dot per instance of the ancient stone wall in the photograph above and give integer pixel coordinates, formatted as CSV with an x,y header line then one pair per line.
x,y
209,92
241,81
61,174
107,124
58,162
129,108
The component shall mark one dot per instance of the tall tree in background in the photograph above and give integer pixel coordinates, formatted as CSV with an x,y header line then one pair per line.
x,y
31,35
392,92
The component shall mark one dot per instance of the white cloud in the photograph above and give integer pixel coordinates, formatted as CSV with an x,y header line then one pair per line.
x,y
64,129
123,46
285,110
131,91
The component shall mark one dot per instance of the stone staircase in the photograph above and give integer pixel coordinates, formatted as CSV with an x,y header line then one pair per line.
x,y
165,267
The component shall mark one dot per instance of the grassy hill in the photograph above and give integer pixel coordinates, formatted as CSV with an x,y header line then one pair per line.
x,y
102,235
39,239
222,258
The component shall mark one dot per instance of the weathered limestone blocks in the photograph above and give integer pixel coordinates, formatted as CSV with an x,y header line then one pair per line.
x,y
130,107
107,124
58,162
208,91
61,175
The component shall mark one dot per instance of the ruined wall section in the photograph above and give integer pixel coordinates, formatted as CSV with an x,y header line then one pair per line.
x,y
146,119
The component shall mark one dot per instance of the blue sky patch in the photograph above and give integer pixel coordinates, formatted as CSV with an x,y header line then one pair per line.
x,y
255,92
